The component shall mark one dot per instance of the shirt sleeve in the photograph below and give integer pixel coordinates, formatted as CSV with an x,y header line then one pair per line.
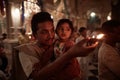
x,y
27,62
112,61
79,39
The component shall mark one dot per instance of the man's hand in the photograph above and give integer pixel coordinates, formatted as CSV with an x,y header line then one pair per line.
x,y
80,49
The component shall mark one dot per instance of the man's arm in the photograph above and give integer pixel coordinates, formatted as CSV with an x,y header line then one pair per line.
x,y
54,67
112,61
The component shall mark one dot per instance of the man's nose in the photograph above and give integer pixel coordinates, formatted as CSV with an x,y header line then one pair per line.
x,y
51,34
63,31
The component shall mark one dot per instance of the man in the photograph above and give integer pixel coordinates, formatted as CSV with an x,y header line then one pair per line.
x,y
83,34
83,60
36,61
109,56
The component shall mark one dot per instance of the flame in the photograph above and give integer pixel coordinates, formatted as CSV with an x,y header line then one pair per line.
x,y
99,36
93,36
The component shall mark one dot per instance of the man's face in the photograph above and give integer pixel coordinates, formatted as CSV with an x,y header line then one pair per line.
x,y
45,33
84,33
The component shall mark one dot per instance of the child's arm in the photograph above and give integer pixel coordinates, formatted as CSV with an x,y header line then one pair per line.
x,y
68,45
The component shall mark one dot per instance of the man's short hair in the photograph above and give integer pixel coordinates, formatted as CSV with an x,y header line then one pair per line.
x,y
109,26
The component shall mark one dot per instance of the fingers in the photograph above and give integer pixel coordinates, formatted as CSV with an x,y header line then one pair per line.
x,y
82,42
57,51
91,47
91,41
85,50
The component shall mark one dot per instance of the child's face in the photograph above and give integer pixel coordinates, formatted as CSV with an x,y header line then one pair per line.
x,y
64,31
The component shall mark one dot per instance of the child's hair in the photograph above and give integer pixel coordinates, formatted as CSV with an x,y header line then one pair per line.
x,y
61,21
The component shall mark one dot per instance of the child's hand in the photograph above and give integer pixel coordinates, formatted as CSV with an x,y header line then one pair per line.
x,y
68,45
47,55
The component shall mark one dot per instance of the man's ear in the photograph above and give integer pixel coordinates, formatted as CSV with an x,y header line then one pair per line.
x,y
35,35
107,34
116,29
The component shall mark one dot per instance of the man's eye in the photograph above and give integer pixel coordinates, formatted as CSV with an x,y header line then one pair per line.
x,y
61,29
43,32
67,29
52,31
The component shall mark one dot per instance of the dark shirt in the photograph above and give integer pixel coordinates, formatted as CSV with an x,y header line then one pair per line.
x,y
3,62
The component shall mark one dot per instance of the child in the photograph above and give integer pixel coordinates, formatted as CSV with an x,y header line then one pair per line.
x,y
64,30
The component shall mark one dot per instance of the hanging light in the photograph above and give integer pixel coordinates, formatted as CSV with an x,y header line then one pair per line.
x,y
92,14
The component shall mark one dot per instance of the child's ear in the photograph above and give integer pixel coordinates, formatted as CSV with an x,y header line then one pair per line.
x,y
35,35
56,31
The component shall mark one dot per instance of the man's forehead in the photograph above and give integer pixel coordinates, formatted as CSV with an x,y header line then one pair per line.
x,y
45,26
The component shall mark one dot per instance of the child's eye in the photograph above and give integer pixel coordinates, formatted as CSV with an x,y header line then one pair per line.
x,y
43,32
68,29
52,31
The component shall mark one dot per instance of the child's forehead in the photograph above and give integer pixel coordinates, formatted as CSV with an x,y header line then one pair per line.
x,y
64,25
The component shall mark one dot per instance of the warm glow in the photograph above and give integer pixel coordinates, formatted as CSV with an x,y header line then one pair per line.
x,y
54,1
99,36
52,17
109,18
93,36
15,16
29,33
16,19
30,8
92,14
15,12
29,36
26,14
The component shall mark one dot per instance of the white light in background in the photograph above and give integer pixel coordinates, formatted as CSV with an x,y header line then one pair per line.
x,y
16,16
54,1
92,14
30,8
51,16
108,17
26,14
16,20
100,36
16,11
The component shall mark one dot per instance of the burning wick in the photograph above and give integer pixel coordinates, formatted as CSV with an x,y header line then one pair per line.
x,y
95,38
100,36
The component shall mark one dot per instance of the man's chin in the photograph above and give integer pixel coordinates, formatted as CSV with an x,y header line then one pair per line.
x,y
49,43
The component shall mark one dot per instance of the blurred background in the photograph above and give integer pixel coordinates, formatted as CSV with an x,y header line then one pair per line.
x,y
16,15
